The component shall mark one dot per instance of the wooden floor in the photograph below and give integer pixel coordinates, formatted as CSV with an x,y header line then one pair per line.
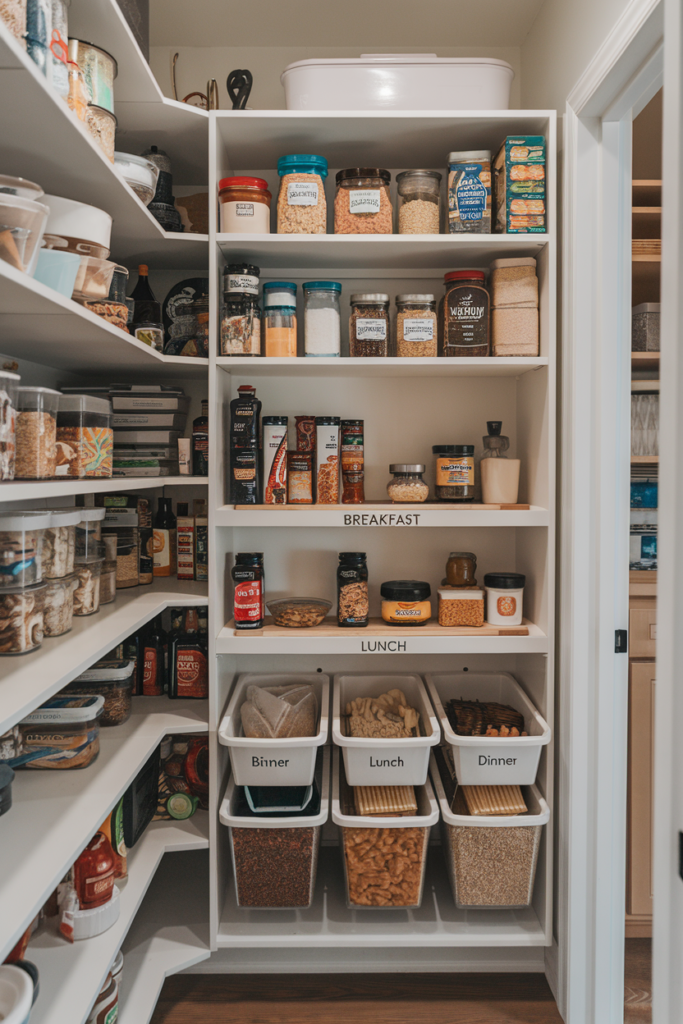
x,y
638,982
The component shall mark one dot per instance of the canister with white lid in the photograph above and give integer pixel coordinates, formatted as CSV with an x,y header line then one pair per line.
x,y
85,438
9,382
21,541
504,598
36,453
59,542
89,533
22,625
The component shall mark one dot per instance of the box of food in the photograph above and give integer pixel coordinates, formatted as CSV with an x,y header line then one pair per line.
x,y
519,185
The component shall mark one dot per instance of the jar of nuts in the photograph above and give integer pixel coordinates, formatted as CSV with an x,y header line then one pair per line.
x,y
419,194
416,325
301,203
369,325
362,204
406,483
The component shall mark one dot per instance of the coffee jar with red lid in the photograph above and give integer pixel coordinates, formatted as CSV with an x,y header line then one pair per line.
x,y
464,315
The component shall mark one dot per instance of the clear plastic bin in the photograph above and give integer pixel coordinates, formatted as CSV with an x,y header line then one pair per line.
x,y
21,618
112,680
87,592
85,438
22,223
21,544
89,533
377,761
274,762
59,605
64,732
59,543
9,382
36,455
275,859
491,861
384,859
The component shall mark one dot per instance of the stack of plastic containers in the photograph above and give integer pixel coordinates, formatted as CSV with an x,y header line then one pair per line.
x,y
22,590
89,561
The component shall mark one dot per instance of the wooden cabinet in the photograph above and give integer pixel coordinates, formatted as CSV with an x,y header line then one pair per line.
x,y
642,627
640,779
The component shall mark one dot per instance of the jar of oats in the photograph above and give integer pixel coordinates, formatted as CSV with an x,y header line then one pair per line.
x,y
36,441
416,325
406,482
301,203
419,201
362,204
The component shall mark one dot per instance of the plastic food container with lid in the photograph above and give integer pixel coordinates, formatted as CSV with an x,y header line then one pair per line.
x,y
99,70
6,780
36,433
382,761
141,174
362,202
58,608
245,205
21,618
419,202
112,680
275,855
21,547
85,438
93,279
9,382
398,81
57,269
87,593
461,607
289,761
64,732
322,318
490,760
22,224
406,484
59,542
504,598
384,858
77,227
279,319
301,203
89,533
101,124
491,860
406,602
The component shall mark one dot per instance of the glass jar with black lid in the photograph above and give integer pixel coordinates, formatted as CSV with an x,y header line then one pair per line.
x,y
240,333
353,603
454,472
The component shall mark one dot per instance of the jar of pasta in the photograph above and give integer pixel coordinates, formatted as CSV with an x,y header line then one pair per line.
x,y
416,325
362,204
301,203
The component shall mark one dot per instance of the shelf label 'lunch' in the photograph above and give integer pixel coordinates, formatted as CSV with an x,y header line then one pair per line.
x,y
383,646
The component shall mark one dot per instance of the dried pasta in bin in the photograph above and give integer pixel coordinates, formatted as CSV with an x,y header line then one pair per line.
x,y
271,712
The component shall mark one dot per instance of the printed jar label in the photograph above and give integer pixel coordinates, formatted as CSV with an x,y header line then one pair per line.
x,y
302,193
506,606
191,674
373,329
151,683
247,602
244,209
242,283
418,330
365,200
455,471
471,195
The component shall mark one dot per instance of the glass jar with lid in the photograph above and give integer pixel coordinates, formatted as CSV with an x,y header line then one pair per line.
x,y
322,318
301,203
419,202
245,205
406,484
241,313
461,569
454,472
416,326
369,325
362,204
279,315
464,315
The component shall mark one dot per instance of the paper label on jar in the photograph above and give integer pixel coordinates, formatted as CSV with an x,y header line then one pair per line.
x,y
242,283
455,471
244,209
418,329
376,330
191,673
365,200
506,606
302,193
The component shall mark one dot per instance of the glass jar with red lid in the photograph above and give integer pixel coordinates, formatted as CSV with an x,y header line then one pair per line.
x,y
464,315
245,206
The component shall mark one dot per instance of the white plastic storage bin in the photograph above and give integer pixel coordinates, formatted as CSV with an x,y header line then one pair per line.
x,y
490,760
398,81
370,761
491,861
275,859
368,843
274,762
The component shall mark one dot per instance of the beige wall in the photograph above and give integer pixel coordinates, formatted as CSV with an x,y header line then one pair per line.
x,y
647,140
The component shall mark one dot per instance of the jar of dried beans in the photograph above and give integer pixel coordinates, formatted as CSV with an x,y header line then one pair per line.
x,y
36,456
464,315
353,602
419,201
85,438
416,326
301,203
245,206
369,325
241,313
8,422
362,204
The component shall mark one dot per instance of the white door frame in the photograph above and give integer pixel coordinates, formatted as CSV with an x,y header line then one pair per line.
x,y
587,966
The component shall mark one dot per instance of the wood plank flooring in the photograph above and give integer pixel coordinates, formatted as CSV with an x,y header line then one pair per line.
x,y
638,982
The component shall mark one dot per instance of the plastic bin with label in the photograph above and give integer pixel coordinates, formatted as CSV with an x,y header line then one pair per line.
x,y
275,858
490,760
370,761
274,762
491,861
368,843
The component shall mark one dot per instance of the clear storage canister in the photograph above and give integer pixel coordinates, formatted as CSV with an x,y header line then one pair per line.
x,y
9,382
406,484
59,542
279,315
419,202
21,618
369,325
416,325
362,204
124,522
245,206
85,438
241,313
301,203
59,605
108,574
322,318
113,680
89,533
36,454
87,593
21,547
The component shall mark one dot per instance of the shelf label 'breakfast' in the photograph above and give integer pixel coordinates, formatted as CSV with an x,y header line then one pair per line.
x,y
381,519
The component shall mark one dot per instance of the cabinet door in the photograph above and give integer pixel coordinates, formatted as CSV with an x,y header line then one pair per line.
x,y
640,777
642,627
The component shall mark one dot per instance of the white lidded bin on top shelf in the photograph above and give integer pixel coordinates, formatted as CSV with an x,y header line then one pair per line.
x,y
490,760
398,81
491,860
377,761
289,761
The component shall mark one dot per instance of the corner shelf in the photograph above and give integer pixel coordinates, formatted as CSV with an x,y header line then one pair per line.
x,y
32,490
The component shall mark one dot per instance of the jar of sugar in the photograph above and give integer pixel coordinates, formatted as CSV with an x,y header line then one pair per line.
x,y
322,318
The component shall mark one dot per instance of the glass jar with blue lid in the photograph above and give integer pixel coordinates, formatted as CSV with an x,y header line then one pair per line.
x,y
301,204
279,317
322,318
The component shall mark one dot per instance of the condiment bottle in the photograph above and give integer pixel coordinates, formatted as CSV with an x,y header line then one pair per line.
x,y
188,661
153,659
499,474
249,600
147,323
200,442
164,539
94,873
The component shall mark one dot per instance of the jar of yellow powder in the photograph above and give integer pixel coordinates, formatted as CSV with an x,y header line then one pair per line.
x,y
406,602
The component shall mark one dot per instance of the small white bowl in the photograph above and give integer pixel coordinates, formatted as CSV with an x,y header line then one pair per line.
x,y
141,174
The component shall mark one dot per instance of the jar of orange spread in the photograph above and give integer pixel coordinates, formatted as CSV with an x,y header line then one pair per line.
x,y
406,602
504,594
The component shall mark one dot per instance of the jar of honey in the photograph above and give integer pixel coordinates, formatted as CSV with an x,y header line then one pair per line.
x,y
461,569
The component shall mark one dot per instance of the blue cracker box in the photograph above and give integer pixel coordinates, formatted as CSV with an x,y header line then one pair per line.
x,y
519,185
643,493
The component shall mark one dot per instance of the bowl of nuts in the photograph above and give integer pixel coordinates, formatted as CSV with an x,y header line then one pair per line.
x,y
298,612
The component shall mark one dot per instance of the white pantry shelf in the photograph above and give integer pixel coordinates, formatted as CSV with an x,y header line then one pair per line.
x,y
26,680
379,515
71,975
329,923
54,813
33,490
393,366
43,326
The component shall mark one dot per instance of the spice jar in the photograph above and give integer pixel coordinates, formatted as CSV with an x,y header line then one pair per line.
x,y
461,569
406,483
419,194
454,472
352,462
362,204
9,383
21,618
279,314
245,206
108,574
406,602
36,453
504,598
369,325
21,547
59,543
85,439
241,313
322,318
464,315
58,607
416,325
353,601
301,203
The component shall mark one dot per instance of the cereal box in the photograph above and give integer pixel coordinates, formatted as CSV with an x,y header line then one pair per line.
x,y
519,185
